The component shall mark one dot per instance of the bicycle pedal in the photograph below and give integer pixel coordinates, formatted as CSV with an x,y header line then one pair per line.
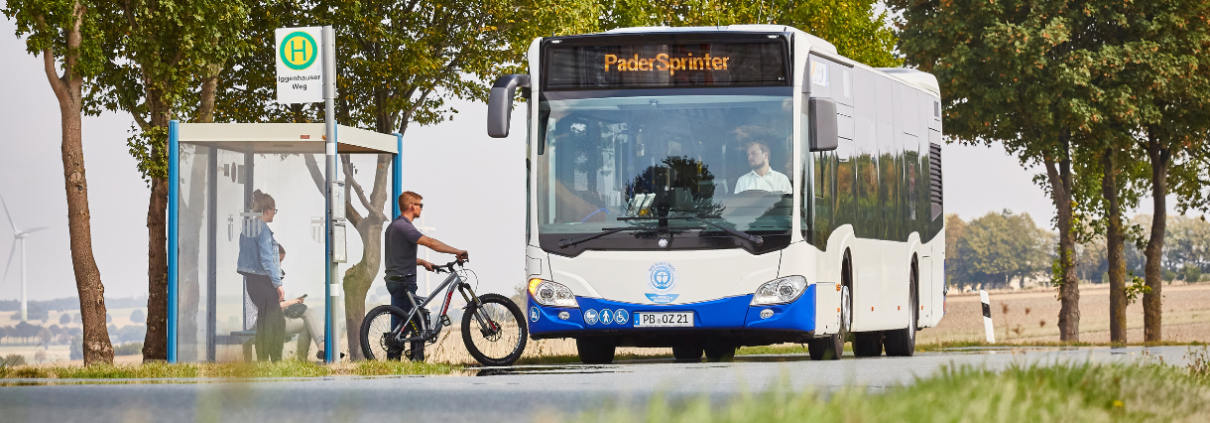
x,y
445,321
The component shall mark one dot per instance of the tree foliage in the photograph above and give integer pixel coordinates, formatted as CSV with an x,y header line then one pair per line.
x,y
999,247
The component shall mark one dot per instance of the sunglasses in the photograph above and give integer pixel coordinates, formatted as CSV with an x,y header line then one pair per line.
x,y
421,205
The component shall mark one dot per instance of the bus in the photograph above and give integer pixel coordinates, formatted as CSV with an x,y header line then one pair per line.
x,y
710,188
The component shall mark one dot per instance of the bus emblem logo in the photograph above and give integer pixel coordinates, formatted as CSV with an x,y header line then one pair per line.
x,y
662,277
606,317
533,314
590,316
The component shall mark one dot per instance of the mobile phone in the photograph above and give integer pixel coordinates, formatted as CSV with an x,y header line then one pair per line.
x,y
303,296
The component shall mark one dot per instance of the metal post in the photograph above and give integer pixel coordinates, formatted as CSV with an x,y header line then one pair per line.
x,y
211,251
174,192
329,64
397,176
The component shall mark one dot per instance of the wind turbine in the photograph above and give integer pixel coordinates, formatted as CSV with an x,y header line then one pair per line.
x,y
18,235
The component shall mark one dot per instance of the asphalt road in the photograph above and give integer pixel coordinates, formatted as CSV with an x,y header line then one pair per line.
x,y
525,393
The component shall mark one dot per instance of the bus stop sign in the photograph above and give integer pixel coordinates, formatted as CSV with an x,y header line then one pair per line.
x,y
299,65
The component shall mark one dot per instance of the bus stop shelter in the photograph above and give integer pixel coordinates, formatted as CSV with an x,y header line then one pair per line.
x,y
214,169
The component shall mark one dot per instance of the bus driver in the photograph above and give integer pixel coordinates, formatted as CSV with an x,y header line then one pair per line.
x,y
762,178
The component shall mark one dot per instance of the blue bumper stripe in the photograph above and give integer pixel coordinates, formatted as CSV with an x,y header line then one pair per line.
x,y
725,313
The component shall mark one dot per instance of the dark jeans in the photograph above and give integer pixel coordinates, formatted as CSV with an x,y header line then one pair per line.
x,y
399,298
270,322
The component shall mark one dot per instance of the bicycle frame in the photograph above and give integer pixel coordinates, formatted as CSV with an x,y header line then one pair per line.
x,y
430,330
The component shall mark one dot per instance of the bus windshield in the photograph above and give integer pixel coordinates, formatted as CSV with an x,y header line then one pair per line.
x,y
624,161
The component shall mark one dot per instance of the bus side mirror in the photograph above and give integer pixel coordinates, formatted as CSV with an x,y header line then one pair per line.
x,y
823,135
500,104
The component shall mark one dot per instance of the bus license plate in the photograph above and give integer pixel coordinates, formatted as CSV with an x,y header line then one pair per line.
x,y
664,320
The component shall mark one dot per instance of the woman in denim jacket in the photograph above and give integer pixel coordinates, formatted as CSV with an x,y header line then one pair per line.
x,y
258,262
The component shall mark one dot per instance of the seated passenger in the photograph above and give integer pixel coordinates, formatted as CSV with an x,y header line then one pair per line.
x,y
302,321
762,178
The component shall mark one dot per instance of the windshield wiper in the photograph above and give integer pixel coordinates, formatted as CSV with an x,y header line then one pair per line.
x,y
567,242
755,239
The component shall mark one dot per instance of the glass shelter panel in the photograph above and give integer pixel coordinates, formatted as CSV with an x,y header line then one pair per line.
x,y
225,220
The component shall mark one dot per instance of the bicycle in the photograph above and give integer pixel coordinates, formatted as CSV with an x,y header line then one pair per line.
x,y
497,339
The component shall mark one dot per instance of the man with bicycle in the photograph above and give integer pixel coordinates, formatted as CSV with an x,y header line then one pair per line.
x,y
402,239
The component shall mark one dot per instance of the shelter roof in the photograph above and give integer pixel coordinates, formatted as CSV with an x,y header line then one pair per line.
x,y
285,138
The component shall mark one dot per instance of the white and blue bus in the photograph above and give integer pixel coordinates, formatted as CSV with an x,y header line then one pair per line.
x,y
710,188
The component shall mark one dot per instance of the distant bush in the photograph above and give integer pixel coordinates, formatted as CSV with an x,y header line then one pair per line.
x,y
64,318
137,316
1191,273
131,348
13,360
108,318
77,347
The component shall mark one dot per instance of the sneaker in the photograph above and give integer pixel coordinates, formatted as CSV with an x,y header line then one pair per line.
x,y
320,355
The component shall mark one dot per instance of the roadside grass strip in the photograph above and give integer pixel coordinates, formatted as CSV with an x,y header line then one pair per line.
x,y
277,369
1146,390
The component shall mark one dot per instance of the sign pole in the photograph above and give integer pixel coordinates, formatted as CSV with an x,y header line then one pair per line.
x,y
329,72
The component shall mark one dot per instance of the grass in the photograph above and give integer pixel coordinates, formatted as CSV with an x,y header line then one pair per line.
x,y
1146,390
277,369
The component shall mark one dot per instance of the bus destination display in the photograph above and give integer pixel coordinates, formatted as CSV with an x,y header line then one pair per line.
x,y
666,66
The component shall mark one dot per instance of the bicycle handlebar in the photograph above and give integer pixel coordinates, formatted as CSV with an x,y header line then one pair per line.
x,y
449,267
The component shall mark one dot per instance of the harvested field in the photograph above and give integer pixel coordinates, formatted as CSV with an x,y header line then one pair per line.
x,y
1032,316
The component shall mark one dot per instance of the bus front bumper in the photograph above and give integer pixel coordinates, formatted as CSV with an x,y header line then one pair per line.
x,y
731,317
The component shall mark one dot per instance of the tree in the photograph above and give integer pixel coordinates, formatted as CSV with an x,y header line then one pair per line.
x,y
64,318
857,28
137,316
159,51
1174,35
66,34
1013,72
955,230
998,247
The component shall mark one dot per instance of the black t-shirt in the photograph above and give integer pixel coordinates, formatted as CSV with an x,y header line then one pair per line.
x,y
401,238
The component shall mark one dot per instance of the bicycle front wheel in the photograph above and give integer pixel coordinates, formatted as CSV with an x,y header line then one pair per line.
x,y
379,332
494,330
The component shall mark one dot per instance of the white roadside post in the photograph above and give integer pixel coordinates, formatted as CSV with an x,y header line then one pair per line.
x,y
987,317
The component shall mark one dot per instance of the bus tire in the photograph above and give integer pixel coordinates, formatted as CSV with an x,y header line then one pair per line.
x,y
687,353
720,352
867,344
902,342
832,347
595,351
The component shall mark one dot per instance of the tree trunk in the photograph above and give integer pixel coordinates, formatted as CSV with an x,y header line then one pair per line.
x,y
361,276
67,89
1059,175
1115,242
155,343
1153,302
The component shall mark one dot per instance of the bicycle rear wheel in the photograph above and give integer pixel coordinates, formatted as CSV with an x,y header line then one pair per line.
x,y
494,331
378,331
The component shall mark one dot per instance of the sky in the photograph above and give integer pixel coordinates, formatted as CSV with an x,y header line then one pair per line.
x,y
473,187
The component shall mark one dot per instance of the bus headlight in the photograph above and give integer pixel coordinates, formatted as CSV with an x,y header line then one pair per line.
x,y
552,294
780,291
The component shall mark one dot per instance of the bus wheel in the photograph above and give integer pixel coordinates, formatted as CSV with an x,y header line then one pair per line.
x,y
832,347
595,351
867,344
902,342
687,353
720,352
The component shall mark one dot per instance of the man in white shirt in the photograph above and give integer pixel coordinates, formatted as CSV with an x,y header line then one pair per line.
x,y
762,178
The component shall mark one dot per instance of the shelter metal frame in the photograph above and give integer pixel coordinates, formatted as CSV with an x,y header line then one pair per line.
x,y
252,139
